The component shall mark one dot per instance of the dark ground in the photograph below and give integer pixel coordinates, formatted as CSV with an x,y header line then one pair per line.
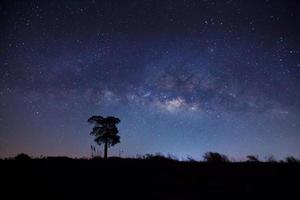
x,y
63,178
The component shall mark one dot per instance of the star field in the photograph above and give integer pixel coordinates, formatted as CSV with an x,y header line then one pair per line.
x,y
184,77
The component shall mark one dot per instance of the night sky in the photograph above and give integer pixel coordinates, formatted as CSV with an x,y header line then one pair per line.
x,y
184,77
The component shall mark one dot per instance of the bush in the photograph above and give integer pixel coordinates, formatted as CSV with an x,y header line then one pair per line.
x,y
215,157
271,159
172,157
252,158
291,159
22,156
190,159
157,157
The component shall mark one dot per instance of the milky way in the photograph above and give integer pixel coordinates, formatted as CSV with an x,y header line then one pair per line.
x,y
184,77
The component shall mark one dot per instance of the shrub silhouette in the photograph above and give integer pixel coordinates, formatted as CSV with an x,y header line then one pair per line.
x,y
158,157
291,159
215,157
190,159
172,157
105,131
271,159
252,158
22,156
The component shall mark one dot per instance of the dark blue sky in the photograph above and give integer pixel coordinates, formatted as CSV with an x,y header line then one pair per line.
x,y
184,77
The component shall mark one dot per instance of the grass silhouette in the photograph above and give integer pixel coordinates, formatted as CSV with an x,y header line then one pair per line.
x,y
154,176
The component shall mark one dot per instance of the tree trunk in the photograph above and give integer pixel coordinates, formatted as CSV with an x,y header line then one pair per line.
x,y
105,150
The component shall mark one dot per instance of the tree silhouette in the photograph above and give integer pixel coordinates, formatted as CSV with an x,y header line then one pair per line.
x,y
105,131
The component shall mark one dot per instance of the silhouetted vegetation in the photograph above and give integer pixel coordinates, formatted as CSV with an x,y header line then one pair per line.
x,y
291,159
215,157
159,157
105,131
252,158
154,176
271,159
190,159
22,156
